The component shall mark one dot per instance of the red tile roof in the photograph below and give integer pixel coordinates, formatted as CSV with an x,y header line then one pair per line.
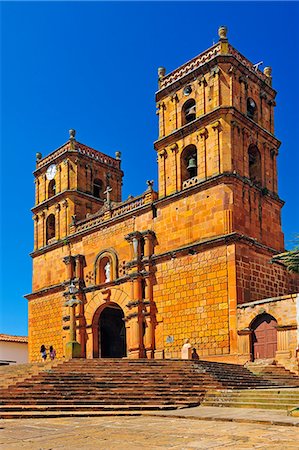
x,y
10,338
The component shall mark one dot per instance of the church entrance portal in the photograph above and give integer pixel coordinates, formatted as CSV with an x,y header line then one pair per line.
x,y
112,333
264,337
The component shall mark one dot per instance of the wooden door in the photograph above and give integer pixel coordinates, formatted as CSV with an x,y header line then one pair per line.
x,y
264,337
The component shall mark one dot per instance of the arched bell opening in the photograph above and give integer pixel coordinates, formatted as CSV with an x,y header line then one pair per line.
x,y
188,111
50,228
251,109
189,163
51,188
264,337
109,332
97,188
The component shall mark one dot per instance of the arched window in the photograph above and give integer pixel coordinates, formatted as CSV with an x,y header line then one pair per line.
x,y
51,188
50,228
251,109
189,163
106,267
188,111
97,188
254,159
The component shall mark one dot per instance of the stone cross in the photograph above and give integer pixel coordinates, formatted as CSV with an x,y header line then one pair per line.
x,y
107,192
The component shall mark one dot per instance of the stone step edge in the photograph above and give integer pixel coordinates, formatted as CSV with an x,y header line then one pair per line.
x,y
284,406
158,413
102,407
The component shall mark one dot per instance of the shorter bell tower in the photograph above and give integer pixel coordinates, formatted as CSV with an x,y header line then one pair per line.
x,y
70,184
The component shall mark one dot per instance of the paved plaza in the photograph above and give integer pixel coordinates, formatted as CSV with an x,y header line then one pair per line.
x,y
197,430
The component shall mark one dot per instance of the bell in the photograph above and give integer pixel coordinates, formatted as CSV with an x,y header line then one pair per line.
x,y
191,164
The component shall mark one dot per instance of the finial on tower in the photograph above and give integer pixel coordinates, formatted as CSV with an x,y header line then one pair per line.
x,y
118,155
222,32
161,72
268,73
161,75
72,134
38,156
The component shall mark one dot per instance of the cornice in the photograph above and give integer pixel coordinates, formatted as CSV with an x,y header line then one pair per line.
x,y
78,149
236,59
47,290
62,195
206,120
224,178
225,239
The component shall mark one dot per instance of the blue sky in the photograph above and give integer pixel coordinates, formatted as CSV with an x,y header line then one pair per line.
x,y
93,67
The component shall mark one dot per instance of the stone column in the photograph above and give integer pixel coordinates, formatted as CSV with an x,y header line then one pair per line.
x,y
204,135
36,182
149,320
35,218
58,188
57,221
43,216
70,265
65,207
45,187
174,148
162,173
217,128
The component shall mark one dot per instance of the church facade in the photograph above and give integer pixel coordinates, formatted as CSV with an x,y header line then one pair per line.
x,y
191,260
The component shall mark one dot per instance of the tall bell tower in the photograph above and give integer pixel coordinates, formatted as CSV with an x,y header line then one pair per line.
x,y
216,128
71,183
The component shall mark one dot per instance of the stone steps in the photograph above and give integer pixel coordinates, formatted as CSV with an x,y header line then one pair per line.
x,y
265,399
11,374
94,386
274,372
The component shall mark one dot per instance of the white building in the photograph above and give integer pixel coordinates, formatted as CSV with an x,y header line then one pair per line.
x,y
13,349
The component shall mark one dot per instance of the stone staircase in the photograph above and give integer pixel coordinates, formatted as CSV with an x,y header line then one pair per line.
x,y
285,399
99,386
13,373
274,372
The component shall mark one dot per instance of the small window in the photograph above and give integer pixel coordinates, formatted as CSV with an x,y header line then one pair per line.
x,y
97,188
51,188
189,163
254,159
251,109
188,111
50,228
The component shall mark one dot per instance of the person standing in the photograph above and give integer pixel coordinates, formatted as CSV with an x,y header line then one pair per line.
x,y
52,352
43,352
194,354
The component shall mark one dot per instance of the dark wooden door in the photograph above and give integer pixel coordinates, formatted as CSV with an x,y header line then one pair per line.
x,y
265,337
112,333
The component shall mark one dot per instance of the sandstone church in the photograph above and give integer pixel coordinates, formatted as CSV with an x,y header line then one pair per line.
x,y
190,260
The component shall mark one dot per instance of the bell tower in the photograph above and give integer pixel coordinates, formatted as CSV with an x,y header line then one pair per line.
x,y
216,128
70,184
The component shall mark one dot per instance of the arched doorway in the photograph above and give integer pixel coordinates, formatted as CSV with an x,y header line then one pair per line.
x,y
112,333
264,337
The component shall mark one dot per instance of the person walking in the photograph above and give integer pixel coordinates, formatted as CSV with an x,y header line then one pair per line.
x,y
52,352
43,352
